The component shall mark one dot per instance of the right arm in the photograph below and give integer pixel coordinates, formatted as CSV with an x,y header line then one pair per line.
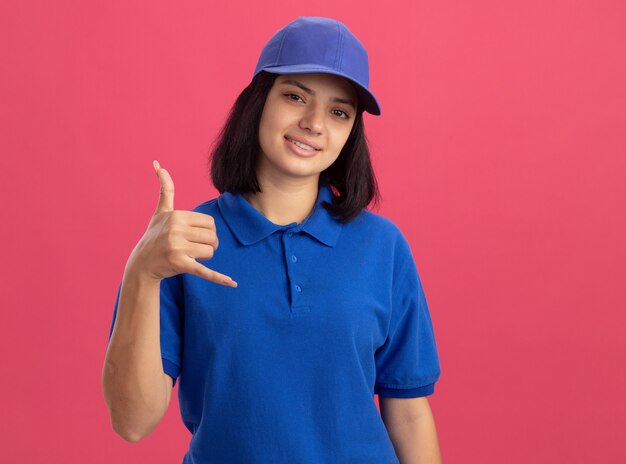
x,y
136,390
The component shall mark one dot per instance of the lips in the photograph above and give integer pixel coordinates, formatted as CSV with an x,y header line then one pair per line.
x,y
303,141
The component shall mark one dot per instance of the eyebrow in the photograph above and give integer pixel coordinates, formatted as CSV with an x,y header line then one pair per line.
x,y
312,92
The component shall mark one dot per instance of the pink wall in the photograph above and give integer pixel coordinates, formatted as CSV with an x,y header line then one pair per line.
x,y
501,154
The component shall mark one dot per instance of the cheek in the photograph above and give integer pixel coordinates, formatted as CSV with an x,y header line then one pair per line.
x,y
341,138
272,124
266,129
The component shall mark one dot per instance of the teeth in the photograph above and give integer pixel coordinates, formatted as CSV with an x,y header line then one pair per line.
x,y
302,145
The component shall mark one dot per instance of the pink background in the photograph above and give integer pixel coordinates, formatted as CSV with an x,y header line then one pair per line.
x,y
501,154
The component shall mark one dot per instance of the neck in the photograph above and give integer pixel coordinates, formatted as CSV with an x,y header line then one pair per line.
x,y
284,202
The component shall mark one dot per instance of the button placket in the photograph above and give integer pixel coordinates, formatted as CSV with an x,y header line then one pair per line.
x,y
295,287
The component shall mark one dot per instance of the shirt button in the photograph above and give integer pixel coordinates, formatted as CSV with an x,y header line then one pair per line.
x,y
298,289
289,234
293,258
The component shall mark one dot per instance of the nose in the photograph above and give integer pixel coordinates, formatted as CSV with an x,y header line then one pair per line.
x,y
313,119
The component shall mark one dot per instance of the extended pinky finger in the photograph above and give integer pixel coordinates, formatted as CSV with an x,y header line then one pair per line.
x,y
209,274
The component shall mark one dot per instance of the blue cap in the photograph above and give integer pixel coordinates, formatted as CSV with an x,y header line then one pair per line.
x,y
312,44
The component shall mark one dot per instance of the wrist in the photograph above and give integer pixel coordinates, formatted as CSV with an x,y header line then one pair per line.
x,y
137,274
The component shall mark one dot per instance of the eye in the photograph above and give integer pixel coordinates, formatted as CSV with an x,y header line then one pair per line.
x,y
345,115
289,95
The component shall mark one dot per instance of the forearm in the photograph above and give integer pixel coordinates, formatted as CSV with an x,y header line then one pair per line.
x,y
415,441
132,376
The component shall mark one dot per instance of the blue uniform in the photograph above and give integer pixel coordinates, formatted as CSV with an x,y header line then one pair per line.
x,y
284,368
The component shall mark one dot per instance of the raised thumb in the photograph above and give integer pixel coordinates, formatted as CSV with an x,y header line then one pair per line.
x,y
166,195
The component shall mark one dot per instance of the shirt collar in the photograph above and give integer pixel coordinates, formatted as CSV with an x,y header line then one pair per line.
x,y
250,226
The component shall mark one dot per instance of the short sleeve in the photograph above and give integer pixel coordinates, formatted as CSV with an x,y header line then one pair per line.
x,y
171,324
407,364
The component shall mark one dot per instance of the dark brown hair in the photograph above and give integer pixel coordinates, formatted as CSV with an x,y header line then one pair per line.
x,y
234,155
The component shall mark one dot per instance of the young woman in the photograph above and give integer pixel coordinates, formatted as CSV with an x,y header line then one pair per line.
x,y
327,309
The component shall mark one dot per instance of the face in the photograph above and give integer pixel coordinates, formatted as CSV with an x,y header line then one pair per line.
x,y
315,110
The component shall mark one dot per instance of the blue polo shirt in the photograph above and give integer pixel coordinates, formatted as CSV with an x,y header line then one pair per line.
x,y
284,368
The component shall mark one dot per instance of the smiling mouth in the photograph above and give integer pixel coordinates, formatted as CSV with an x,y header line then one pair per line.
x,y
304,146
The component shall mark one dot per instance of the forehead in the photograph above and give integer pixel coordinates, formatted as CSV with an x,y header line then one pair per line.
x,y
321,82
